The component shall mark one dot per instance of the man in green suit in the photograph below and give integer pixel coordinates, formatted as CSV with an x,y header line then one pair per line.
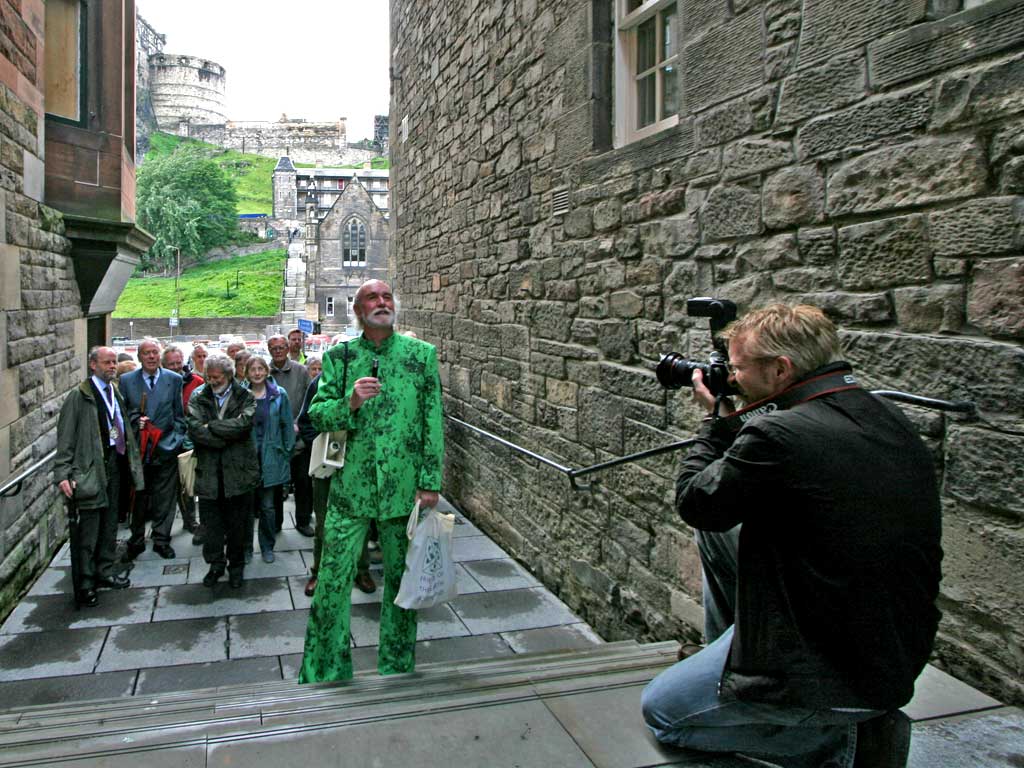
x,y
383,389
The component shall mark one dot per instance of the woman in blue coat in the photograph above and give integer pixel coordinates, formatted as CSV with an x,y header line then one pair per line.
x,y
275,437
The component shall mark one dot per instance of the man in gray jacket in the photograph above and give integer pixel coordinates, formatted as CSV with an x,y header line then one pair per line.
x,y
96,452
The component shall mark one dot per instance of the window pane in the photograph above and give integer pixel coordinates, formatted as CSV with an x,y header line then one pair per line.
x,y
669,92
646,46
632,5
668,38
62,60
645,107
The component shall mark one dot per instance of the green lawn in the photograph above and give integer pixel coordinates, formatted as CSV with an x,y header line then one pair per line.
x,y
205,292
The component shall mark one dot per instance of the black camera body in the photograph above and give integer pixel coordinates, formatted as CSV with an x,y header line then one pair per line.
x,y
675,371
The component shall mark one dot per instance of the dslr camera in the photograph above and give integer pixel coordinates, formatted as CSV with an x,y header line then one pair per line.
x,y
675,371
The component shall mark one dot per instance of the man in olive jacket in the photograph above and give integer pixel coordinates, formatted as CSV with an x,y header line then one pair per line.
x,y
384,390
96,452
227,468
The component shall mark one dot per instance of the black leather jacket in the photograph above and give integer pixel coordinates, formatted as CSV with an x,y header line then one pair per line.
x,y
839,553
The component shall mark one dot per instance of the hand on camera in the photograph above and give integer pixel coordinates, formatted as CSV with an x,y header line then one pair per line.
x,y
702,395
365,389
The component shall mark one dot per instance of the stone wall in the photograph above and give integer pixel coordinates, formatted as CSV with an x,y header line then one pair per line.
x,y
203,327
303,142
42,334
186,88
865,156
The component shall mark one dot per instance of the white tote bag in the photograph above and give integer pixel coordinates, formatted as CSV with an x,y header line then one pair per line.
x,y
429,577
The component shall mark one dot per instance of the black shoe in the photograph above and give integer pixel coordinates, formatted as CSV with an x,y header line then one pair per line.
x,y
199,535
364,582
883,742
212,577
87,598
134,549
191,527
306,530
166,551
235,580
114,582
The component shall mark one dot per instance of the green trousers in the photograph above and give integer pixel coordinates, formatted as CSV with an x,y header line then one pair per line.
x,y
328,653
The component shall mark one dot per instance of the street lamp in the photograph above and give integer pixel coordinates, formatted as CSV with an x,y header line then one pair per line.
x,y
131,329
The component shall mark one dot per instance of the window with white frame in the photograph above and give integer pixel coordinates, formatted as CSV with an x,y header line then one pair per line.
x,y
646,68
353,243
329,309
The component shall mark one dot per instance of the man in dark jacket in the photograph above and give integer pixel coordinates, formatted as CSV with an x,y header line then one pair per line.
x,y
96,452
227,468
818,525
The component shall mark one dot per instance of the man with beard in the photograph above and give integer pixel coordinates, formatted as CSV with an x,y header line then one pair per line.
x,y
173,359
97,451
818,525
383,389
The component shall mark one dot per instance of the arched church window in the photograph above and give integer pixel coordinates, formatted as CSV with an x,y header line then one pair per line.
x,y
353,243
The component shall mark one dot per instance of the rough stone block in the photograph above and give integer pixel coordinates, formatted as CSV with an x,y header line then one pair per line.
x,y
578,223
5,453
926,171
5,337
607,215
749,156
698,16
979,95
838,82
550,320
985,468
770,253
725,123
10,277
731,211
817,246
617,341
851,308
35,173
723,63
832,26
951,368
982,227
672,237
625,304
803,279
866,124
793,196
635,383
9,402
995,301
884,253
935,309
600,421
1011,177
925,48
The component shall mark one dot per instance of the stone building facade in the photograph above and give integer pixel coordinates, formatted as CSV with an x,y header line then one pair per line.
x,y
67,241
553,208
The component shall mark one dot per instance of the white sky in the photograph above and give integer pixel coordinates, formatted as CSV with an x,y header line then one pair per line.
x,y
312,59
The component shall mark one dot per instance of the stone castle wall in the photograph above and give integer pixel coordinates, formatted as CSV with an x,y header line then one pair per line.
x,y
186,88
302,142
865,156
203,327
41,325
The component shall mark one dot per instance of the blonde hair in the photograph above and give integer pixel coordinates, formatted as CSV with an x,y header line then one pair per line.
x,y
802,333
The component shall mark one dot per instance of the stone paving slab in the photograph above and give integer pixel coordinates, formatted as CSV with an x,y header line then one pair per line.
x,y
432,623
267,634
511,610
476,548
563,638
528,732
53,581
49,612
50,654
993,739
290,540
937,694
164,644
192,601
495,575
192,756
187,677
70,688
159,573
285,564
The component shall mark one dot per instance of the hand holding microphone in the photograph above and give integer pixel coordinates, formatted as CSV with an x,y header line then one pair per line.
x,y
365,388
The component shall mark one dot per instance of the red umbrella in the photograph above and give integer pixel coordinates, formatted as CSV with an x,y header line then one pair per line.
x,y
149,436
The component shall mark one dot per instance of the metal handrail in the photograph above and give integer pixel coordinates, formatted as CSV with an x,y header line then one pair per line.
x,y
13,487
957,406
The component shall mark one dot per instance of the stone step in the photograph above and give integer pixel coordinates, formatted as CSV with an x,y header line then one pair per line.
x,y
95,730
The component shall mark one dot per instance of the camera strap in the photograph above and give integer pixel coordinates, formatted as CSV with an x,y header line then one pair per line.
x,y
836,377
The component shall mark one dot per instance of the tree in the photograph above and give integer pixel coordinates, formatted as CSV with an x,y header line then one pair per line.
x,y
185,201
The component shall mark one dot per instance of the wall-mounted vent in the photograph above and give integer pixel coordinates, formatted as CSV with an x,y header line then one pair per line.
x,y
404,129
559,202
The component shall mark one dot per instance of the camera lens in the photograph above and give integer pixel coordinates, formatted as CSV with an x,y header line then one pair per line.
x,y
675,371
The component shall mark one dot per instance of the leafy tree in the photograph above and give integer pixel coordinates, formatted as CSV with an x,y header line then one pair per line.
x,y
185,201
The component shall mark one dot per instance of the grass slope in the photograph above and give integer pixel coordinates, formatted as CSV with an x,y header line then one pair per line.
x,y
204,289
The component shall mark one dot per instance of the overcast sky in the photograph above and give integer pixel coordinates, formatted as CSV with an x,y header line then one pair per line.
x,y
313,59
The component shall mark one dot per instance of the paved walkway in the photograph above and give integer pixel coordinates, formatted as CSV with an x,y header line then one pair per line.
x,y
168,632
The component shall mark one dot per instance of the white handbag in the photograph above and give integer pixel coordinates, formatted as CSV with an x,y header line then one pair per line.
x,y
328,454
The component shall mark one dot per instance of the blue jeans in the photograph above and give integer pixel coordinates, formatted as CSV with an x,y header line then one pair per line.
x,y
682,705
267,516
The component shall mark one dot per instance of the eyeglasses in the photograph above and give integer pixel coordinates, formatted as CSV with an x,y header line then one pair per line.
x,y
734,368
277,347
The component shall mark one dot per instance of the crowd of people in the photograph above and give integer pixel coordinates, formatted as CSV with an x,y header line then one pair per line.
x,y
814,506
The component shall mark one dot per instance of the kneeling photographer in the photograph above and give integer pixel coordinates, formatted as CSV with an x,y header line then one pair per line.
x,y
818,524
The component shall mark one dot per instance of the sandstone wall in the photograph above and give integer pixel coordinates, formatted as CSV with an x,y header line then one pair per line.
x,y
203,327
866,156
302,142
42,335
186,87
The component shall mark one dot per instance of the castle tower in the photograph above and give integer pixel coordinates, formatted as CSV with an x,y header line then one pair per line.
x,y
186,89
286,193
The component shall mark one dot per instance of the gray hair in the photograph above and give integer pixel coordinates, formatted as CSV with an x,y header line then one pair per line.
x,y
171,349
222,363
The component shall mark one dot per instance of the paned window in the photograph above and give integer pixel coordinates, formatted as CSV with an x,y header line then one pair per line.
x,y
353,243
64,59
647,77
329,309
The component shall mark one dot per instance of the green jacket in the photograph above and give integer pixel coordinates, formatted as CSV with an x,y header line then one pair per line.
x,y
395,440
223,444
80,448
